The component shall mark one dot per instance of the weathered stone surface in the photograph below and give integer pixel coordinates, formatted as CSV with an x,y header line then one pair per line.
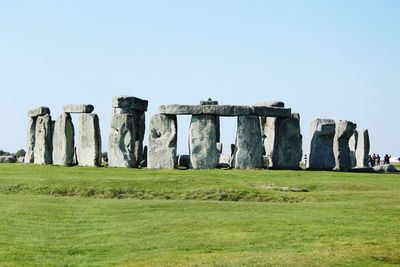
x,y
140,123
8,159
88,149
248,149
203,138
353,147
162,142
209,102
362,150
122,141
39,111
29,157
130,102
385,168
287,143
341,149
225,110
63,141
78,108
43,140
321,157
277,104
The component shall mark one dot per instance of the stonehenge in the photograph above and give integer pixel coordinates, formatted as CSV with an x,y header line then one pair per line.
x,y
162,142
267,136
321,156
39,136
88,147
248,152
341,150
362,149
127,131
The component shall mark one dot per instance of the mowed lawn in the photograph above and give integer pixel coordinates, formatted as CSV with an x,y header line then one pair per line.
x,y
57,216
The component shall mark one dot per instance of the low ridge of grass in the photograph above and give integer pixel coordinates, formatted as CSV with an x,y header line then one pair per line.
x,y
57,216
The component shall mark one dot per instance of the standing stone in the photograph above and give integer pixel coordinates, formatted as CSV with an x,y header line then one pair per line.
x,y
140,123
89,140
363,147
341,149
287,147
122,141
353,147
321,157
248,149
203,138
268,132
63,141
29,157
162,142
43,140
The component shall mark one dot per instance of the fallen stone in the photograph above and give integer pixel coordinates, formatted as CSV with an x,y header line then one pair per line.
x,y
63,141
88,149
363,147
43,150
225,110
203,139
8,159
29,157
130,102
162,142
363,169
385,168
248,149
122,141
80,108
321,157
40,111
341,149
21,160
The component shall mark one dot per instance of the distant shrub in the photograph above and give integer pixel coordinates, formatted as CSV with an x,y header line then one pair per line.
x,y
20,153
4,153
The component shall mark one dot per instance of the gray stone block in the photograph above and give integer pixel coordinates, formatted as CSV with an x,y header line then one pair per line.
x,y
225,110
43,140
29,157
63,141
287,149
39,111
363,147
8,159
122,141
78,108
248,148
130,102
203,139
162,142
321,157
341,149
88,149
353,147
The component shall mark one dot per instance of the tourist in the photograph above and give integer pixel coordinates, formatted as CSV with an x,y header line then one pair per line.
x,y
386,159
378,159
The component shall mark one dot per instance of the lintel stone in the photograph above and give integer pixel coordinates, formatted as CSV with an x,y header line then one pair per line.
x,y
130,102
79,108
39,111
225,110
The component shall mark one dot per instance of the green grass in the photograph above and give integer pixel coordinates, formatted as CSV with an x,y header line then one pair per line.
x,y
56,216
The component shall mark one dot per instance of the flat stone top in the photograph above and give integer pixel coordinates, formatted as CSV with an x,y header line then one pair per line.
x,y
39,111
78,108
225,110
130,102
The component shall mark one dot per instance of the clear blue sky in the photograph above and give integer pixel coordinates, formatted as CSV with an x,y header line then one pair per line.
x,y
324,59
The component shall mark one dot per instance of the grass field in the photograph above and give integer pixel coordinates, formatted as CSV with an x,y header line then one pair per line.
x,y
56,216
